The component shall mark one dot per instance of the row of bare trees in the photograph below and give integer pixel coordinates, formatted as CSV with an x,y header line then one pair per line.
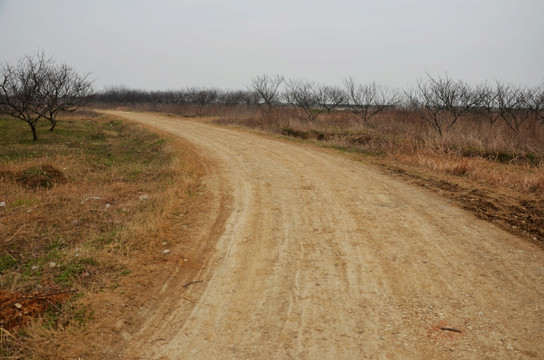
x,y
439,100
364,101
442,101
38,87
201,96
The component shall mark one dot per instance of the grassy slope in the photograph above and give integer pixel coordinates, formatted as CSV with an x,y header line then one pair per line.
x,y
97,221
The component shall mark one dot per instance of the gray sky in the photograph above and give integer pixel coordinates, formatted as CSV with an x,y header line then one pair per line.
x,y
170,44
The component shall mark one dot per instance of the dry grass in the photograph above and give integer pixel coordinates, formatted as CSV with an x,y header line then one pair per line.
x,y
122,197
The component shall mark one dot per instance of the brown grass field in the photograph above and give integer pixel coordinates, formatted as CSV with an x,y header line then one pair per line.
x,y
87,218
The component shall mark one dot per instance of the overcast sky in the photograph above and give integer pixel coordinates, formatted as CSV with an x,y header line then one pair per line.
x,y
170,44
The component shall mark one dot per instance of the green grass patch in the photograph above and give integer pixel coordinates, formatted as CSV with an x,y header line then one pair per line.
x,y
7,262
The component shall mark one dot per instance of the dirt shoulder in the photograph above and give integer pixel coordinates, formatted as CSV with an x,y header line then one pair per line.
x,y
325,257
521,213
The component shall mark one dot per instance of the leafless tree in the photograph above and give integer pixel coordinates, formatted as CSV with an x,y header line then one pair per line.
x,y
251,98
202,96
533,101
442,101
21,89
330,97
516,105
368,100
268,88
64,90
487,104
233,97
537,102
302,93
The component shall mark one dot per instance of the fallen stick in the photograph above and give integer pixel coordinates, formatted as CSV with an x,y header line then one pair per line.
x,y
450,329
192,282
189,299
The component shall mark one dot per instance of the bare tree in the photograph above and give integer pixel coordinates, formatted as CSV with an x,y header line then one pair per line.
x,y
537,102
21,89
268,88
368,100
516,105
36,87
234,97
442,101
251,98
330,97
302,93
487,104
534,103
64,91
202,96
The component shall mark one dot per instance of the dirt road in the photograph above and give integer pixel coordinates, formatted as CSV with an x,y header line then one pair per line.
x,y
323,257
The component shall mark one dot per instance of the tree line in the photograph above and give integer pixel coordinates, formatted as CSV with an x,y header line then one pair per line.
x,y
438,100
37,87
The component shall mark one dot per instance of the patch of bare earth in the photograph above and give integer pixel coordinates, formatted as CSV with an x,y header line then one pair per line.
x,y
510,196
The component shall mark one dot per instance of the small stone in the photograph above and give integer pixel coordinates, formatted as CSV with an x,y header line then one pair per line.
x,y
165,252
143,197
185,260
34,267
18,306
108,206
2,204
75,222
52,264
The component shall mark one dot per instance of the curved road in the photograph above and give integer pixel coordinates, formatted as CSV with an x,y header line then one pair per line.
x,y
322,257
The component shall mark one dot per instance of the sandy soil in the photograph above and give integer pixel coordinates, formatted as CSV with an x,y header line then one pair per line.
x,y
321,257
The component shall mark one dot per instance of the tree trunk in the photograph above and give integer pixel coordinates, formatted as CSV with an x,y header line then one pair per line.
x,y
33,127
53,124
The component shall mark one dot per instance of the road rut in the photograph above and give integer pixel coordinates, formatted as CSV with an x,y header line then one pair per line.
x,y
324,257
